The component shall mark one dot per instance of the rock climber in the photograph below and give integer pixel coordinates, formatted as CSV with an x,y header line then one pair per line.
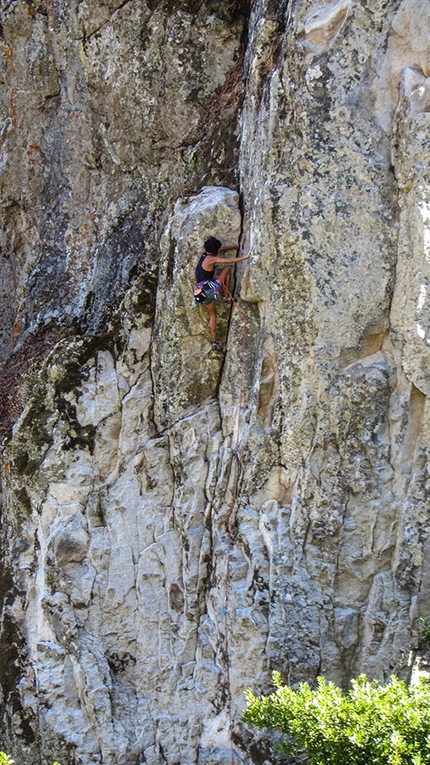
x,y
210,287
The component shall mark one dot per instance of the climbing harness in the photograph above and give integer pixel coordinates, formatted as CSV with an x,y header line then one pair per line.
x,y
232,517
205,292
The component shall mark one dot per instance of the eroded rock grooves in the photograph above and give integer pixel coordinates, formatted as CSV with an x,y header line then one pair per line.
x,y
130,131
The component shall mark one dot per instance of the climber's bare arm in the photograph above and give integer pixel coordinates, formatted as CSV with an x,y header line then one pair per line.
x,y
211,260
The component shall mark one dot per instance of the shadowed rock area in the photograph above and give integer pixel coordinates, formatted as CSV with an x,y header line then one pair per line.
x,y
177,522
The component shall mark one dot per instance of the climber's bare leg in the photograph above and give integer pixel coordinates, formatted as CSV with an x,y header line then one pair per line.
x,y
225,278
212,320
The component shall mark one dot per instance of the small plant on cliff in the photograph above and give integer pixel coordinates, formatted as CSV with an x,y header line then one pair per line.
x,y
5,760
424,631
373,724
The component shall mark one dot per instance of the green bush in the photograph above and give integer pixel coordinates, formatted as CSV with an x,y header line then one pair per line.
x,y
373,724
5,760
424,631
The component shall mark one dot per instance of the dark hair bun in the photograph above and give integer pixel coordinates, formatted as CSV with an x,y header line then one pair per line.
x,y
212,245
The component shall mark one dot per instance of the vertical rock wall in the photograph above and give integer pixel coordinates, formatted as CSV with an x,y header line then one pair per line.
x,y
177,523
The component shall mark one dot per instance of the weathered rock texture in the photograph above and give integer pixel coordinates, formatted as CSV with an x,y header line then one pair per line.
x,y
177,523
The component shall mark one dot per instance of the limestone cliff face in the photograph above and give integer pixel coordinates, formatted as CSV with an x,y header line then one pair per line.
x,y
178,522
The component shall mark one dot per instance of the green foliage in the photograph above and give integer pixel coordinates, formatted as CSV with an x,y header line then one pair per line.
x,y
373,724
425,630
5,760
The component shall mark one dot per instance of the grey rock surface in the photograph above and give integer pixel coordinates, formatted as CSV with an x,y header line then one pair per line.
x,y
177,523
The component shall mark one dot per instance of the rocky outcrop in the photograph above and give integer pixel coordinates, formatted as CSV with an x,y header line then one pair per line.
x,y
177,522
106,111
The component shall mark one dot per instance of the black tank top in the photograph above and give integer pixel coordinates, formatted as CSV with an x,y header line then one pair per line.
x,y
201,274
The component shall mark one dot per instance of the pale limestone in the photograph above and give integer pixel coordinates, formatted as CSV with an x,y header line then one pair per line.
x,y
310,441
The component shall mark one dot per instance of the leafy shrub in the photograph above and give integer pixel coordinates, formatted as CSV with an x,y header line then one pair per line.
x,y
424,631
5,760
373,724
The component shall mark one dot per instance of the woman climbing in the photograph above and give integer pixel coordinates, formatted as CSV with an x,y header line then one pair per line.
x,y
210,287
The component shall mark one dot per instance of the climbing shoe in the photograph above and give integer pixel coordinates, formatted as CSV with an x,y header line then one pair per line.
x,y
217,347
